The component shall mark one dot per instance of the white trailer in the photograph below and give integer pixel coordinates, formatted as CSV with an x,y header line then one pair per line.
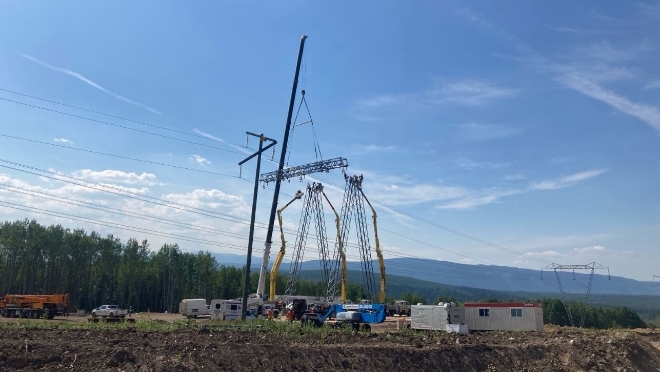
x,y
229,310
193,307
510,316
429,317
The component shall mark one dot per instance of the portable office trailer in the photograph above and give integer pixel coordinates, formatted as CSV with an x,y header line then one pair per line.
x,y
503,316
193,307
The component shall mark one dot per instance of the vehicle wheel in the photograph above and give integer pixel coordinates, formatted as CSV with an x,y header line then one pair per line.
x,y
111,315
93,315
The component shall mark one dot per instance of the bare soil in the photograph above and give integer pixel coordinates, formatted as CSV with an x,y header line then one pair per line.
x,y
206,349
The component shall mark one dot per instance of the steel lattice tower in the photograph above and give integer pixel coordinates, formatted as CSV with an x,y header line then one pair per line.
x,y
353,208
564,299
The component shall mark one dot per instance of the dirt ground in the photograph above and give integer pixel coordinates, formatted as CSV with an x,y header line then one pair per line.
x,y
206,349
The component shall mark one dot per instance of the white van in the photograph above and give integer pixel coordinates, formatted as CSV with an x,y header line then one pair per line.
x,y
193,307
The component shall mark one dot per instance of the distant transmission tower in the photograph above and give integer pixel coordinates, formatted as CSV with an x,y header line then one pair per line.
x,y
655,276
591,267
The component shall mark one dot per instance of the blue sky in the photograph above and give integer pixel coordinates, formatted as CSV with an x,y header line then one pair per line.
x,y
531,126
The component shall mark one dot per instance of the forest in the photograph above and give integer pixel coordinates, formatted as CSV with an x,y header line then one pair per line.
x,y
96,270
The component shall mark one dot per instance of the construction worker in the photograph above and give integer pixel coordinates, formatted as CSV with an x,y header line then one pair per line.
x,y
290,316
269,314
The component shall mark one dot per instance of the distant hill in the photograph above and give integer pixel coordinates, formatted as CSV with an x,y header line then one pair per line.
x,y
490,277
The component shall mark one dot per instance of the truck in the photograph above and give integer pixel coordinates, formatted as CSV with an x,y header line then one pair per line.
x,y
357,316
193,307
230,310
109,311
399,307
33,306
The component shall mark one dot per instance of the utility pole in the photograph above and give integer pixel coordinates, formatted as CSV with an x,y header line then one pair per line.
x,y
271,221
246,282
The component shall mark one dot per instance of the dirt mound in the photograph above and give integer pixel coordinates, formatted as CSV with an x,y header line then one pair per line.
x,y
243,350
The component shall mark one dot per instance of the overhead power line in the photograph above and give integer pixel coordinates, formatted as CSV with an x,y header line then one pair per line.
x,y
121,156
116,117
121,126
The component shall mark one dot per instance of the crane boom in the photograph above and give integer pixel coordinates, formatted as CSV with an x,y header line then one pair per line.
x,y
282,252
379,253
340,249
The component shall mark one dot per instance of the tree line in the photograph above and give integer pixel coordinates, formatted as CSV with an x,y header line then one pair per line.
x,y
96,270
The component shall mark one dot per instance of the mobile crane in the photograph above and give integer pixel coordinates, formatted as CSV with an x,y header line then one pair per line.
x,y
282,252
33,306
356,316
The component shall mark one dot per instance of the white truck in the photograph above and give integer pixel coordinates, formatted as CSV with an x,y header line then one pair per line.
x,y
193,307
230,310
109,311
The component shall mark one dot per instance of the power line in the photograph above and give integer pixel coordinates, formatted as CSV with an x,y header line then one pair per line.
x,y
121,156
115,116
454,231
121,126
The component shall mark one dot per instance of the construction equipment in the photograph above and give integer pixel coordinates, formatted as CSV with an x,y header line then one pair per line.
x,y
282,252
358,317
33,306
399,307
379,253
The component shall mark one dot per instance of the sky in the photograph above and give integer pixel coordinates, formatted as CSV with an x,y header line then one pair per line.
x,y
525,133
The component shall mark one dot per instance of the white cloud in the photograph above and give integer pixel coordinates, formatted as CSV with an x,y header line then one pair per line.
x,y
215,199
590,250
544,254
645,112
627,252
476,198
467,261
86,80
63,140
469,164
570,180
200,160
514,177
558,160
110,175
469,92
655,84
372,148
484,132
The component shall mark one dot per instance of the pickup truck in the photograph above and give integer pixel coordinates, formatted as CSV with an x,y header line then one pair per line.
x,y
109,311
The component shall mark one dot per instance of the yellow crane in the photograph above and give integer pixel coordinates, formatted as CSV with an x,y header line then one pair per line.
x,y
379,253
282,252
340,247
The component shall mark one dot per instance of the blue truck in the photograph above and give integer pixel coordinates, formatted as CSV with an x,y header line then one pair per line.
x,y
357,316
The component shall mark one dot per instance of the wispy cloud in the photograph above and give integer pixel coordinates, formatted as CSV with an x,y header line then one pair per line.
x,y
585,31
544,254
117,176
89,82
558,160
514,177
655,84
469,92
566,181
63,140
484,132
590,250
200,160
647,113
369,149
470,164
470,199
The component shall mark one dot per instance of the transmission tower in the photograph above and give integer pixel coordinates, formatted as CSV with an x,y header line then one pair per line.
x,y
312,209
591,267
655,276
353,209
